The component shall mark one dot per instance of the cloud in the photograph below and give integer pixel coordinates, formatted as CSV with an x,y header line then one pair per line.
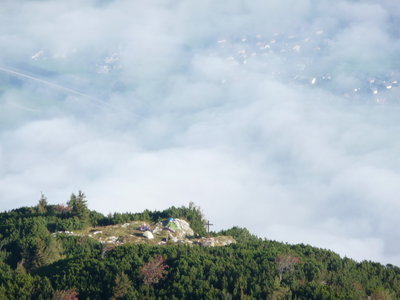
x,y
279,116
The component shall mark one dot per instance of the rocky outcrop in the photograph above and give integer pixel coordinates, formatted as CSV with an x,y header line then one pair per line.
x,y
178,227
148,235
183,228
170,231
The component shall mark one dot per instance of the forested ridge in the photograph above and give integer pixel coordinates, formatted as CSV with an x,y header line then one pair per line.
x,y
40,260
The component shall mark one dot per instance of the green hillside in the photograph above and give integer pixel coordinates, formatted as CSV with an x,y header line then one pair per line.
x,y
70,252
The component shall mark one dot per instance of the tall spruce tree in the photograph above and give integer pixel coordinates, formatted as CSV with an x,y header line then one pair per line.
x,y
79,208
42,205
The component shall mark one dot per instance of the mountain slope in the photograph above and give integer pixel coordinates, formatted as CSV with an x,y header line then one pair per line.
x,y
39,262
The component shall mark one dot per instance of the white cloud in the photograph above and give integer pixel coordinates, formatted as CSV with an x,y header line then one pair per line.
x,y
163,114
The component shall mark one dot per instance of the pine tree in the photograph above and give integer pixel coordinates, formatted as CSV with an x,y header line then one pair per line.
x,y
39,247
122,285
42,205
78,205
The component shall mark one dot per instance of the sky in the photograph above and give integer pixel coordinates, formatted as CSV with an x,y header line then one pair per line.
x,y
280,116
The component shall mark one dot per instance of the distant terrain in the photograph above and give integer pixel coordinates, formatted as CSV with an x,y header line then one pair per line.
x,y
70,252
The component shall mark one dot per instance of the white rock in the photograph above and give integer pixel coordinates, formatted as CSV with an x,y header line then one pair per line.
x,y
148,235
157,229
207,242
184,227
112,239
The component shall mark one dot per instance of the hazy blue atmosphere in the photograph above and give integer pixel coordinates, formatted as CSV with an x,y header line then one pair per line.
x,y
281,116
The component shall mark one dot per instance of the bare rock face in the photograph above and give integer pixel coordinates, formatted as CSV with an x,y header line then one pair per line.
x,y
157,228
207,242
184,229
148,235
169,231
179,228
